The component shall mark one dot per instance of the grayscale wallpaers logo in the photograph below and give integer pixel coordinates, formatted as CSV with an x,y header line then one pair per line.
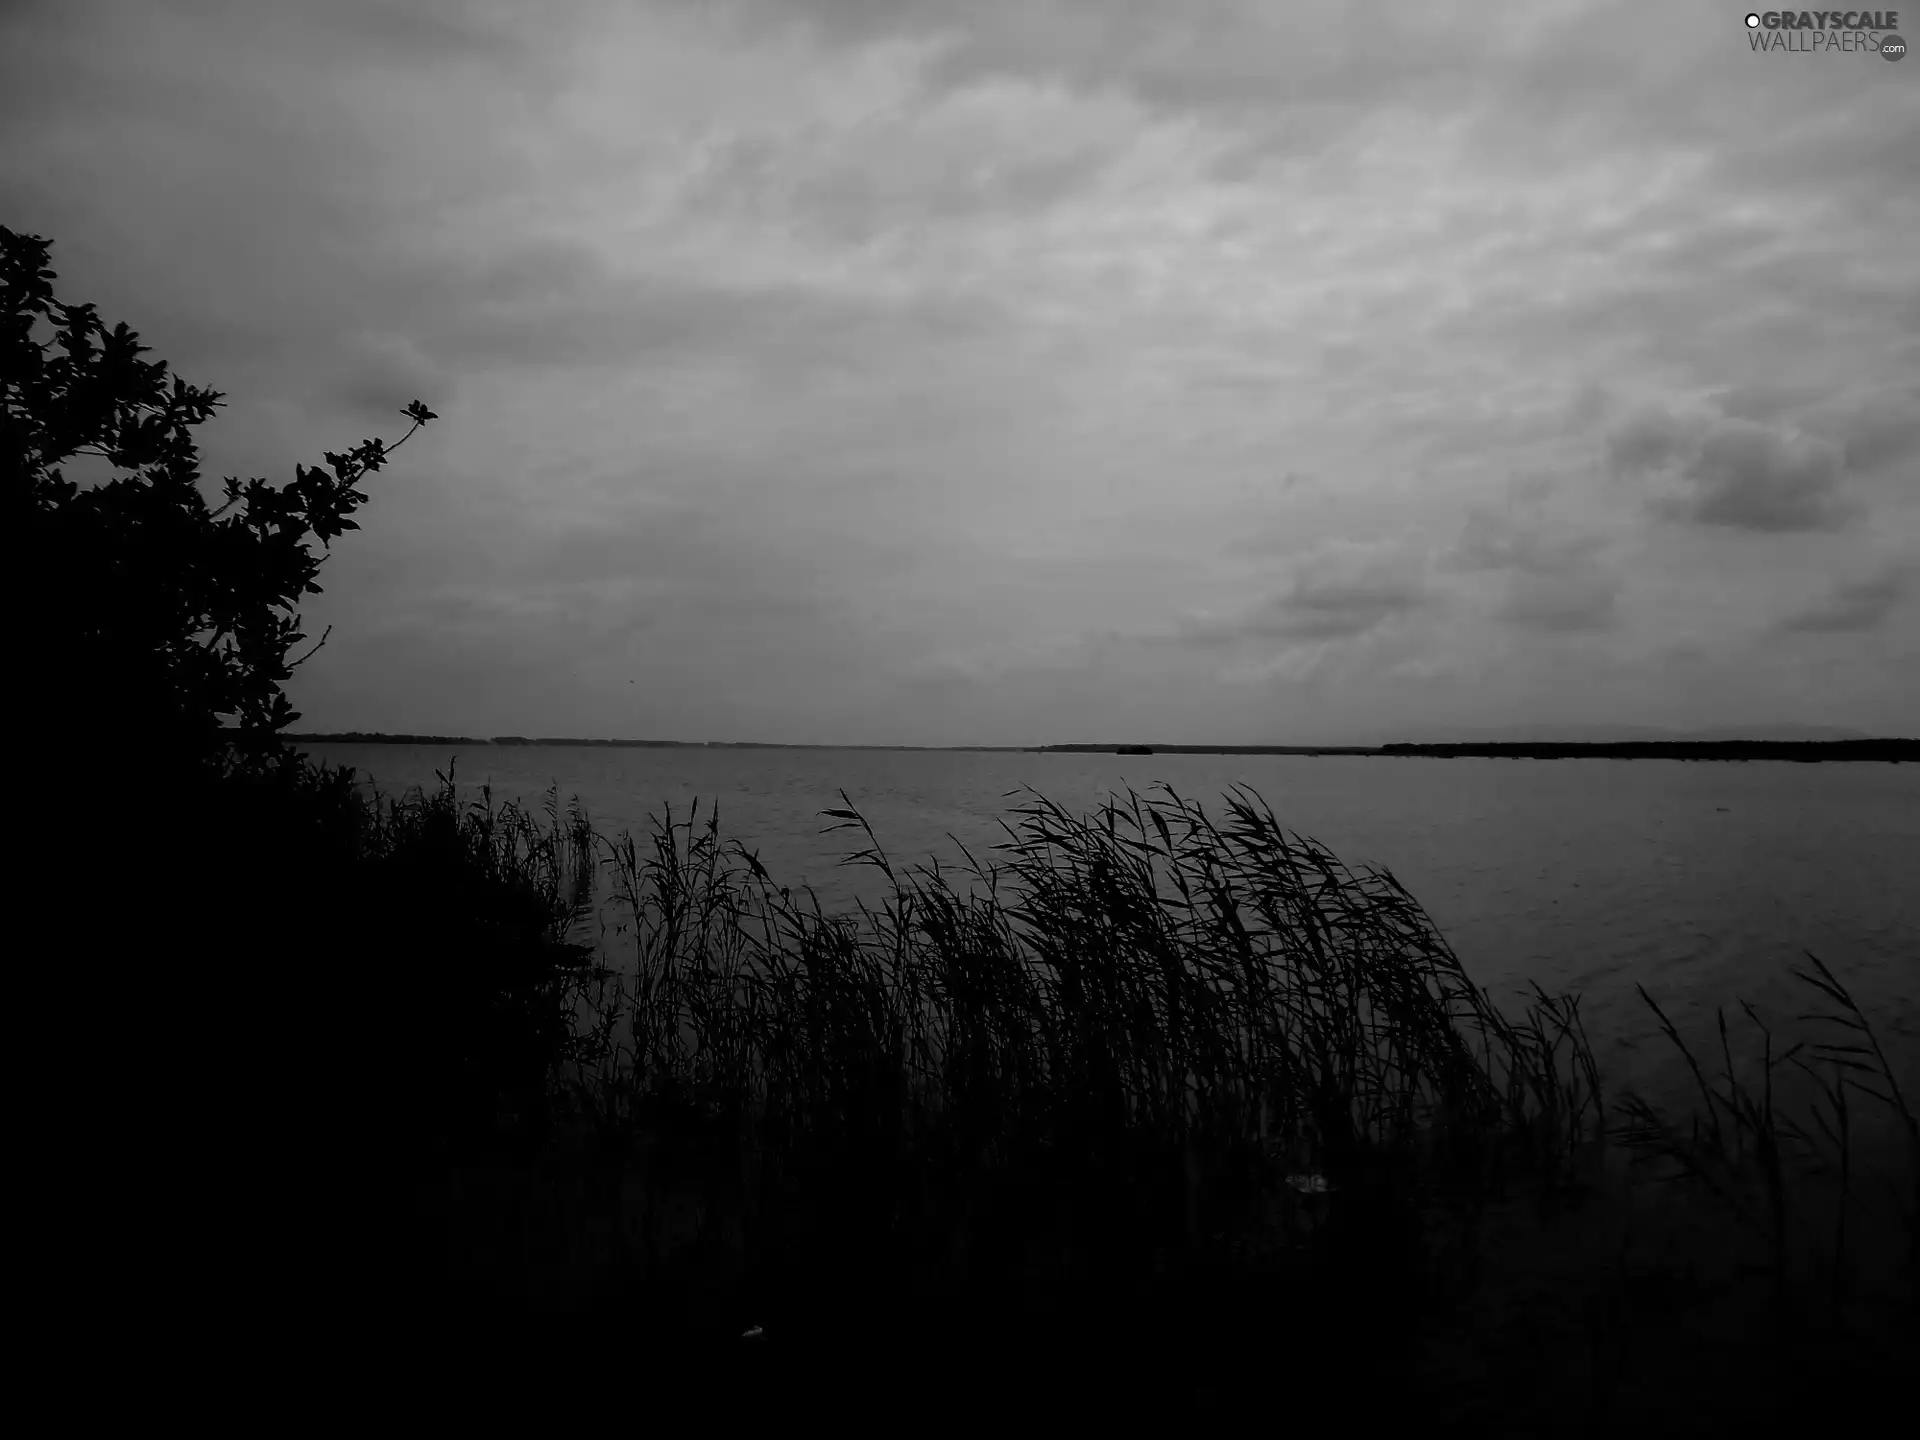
x,y
1833,32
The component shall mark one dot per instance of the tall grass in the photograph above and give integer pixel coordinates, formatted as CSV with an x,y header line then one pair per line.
x,y
1146,972
1142,1056
1771,1173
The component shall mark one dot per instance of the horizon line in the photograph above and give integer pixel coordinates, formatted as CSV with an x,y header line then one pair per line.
x,y
1654,737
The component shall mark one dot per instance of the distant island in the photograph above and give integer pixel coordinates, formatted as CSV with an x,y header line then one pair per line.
x,y
1803,751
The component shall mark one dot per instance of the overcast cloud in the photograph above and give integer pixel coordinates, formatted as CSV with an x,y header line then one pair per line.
x,y
1004,373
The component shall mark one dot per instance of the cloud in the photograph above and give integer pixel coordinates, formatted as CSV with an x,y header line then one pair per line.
x,y
381,365
1761,401
1736,474
1857,605
423,32
1299,664
547,304
1879,438
1340,591
1492,541
1749,478
846,365
1552,583
1646,442
971,159
1569,603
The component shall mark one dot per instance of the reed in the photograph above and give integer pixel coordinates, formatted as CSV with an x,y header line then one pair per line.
x,y
1770,1172
1144,971
1182,1086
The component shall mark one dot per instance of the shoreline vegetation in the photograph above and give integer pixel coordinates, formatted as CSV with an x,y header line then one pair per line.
x,y
1889,750
1176,1109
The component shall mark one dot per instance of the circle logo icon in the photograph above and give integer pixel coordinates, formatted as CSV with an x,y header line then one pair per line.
x,y
1753,22
1892,47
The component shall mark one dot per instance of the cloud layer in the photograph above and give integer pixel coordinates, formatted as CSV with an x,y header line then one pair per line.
x,y
843,370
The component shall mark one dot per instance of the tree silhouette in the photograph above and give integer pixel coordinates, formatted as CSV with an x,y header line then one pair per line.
x,y
186,888
154,616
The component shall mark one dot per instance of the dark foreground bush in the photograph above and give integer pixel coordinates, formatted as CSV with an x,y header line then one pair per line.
x,y
300,1002
171,1131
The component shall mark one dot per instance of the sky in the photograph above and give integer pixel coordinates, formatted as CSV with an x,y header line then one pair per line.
x,y
1029,371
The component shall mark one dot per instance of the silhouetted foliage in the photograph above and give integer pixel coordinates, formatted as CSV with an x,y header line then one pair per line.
x,y
183,866
410,954
154,615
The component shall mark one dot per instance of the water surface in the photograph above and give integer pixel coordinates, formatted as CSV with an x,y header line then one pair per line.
x,y
1702,881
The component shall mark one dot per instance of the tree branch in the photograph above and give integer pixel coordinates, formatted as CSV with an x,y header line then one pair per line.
x,y
296,664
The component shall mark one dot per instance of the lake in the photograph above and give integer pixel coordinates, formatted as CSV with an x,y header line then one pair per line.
x,y
1702,881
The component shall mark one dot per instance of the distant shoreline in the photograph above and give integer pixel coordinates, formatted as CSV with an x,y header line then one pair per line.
x,y
1803,751
364,737
1893,751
